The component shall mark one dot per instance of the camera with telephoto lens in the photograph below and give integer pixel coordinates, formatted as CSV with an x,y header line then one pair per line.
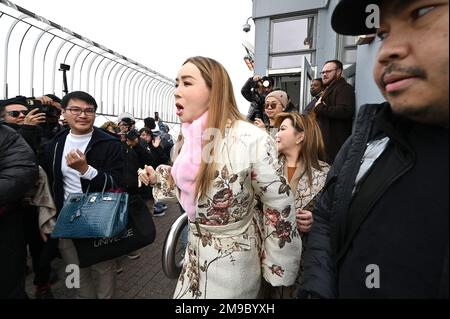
x,y
48,110
265,81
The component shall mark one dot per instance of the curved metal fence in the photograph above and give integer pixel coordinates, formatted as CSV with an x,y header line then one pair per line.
x,y
36,52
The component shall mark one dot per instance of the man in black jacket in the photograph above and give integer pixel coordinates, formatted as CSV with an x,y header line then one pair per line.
x,y
75,159
18,173
16,115
335,108
37,127
381,225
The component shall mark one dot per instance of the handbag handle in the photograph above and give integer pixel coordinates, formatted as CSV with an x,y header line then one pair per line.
x,y
106,182
104,185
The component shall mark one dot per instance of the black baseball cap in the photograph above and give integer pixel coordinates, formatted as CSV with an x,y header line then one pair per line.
x,y
22,100
349,17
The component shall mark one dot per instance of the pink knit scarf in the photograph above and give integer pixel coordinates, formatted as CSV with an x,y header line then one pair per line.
x,y
186,165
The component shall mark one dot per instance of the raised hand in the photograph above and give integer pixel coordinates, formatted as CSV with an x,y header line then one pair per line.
x,y
147,175
77,160
34,118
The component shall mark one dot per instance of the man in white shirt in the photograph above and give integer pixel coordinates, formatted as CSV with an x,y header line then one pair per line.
x,y
78,158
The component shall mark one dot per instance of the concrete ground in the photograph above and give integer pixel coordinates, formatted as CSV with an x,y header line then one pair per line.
x,y
142,278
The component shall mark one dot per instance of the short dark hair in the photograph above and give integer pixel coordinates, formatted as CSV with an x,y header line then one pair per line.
x,y
338,63
78,95
318,80
149,122
146,130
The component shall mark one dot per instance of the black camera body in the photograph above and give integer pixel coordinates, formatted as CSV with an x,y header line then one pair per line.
x,y
48,110
266,82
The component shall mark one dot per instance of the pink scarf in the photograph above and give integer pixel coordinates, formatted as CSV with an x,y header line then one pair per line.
x,y
185,168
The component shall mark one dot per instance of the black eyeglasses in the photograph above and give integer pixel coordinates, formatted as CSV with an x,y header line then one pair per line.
x,y
17,113
77,111
327,71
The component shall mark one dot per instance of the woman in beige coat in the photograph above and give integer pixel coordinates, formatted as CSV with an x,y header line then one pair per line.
x,y
224,166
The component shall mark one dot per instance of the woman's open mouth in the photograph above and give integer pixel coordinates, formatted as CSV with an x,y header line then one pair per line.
x,y
180,109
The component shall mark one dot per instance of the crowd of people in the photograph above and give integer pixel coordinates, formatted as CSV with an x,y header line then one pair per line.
x,y
281,203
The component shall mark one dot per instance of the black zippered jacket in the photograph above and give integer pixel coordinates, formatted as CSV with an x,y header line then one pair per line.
x,y
103,153
390,239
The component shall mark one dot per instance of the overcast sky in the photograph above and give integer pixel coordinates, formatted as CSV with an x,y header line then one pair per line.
x,y
160,34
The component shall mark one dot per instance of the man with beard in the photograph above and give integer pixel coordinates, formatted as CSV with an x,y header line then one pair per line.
x,y
381,225
335,108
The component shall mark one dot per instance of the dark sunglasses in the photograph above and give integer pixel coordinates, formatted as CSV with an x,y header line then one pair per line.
x,y
271,106
17,113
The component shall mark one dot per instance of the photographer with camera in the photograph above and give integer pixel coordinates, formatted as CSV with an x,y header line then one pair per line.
x,y
34,119
16,114
255,91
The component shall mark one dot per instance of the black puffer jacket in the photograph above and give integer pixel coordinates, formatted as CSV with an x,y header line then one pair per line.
x,y
18,169
30,133
18,173
396,222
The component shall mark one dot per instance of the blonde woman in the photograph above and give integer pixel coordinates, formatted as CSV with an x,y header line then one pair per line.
x,y
224,165
110,126
301,154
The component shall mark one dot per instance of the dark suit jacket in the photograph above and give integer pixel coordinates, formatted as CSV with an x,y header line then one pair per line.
x,y
335,115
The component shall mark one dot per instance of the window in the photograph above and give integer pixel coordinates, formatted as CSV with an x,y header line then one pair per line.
x,y
291,40
347,49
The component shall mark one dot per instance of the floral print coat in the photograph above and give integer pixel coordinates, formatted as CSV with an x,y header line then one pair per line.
x,y
245,226
305,196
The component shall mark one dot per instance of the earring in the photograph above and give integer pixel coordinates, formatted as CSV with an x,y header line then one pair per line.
x,y
298,142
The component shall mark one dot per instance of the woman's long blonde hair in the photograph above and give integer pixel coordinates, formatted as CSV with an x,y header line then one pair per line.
x,y
222,108
313,148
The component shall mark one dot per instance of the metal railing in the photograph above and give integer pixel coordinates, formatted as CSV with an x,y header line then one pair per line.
x,y
171,250
118,83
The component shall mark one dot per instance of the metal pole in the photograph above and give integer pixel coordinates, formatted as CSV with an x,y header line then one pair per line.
x,y
8,35
144,95
118,87
131,91
33,56
20,50
136,96
88,78
81,67
55,61
157,107
123,108
43,64
74,63
108,101
150,96
101,86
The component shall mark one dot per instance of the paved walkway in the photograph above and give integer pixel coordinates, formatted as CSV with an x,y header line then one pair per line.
x,y
142,278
